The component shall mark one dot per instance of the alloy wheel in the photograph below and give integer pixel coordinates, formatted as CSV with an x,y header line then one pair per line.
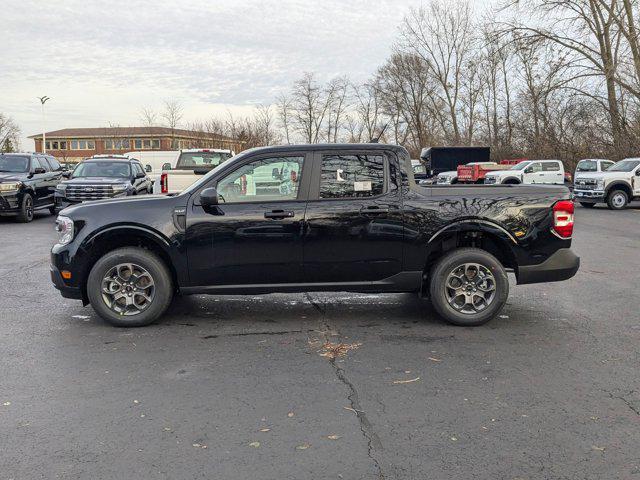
x,y
618,200
128,289
470,288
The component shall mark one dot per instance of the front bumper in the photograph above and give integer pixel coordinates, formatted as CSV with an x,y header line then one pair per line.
x,y
562,265
9,204
65,290
588,196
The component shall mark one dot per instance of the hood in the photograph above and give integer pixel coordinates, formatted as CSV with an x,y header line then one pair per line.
x,y
12,176
601,174
84,209
451,173
96,181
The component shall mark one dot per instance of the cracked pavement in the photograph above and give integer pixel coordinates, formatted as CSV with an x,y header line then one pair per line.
x,y
233,387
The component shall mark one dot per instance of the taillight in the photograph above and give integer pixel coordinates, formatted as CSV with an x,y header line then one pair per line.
x,y
563,218
164,183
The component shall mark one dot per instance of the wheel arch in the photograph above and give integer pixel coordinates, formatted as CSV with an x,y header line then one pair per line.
x,y
114,237
511,181
476,233
620,185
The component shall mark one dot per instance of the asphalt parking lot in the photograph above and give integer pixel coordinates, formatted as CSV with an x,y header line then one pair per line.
x,y
233,387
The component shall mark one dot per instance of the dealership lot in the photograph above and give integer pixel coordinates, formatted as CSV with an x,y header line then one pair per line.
x,y
241,386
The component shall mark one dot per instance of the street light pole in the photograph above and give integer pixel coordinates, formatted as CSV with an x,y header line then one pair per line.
x,y
43,100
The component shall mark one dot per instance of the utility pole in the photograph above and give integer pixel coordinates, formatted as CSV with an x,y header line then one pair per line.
x,y
43,100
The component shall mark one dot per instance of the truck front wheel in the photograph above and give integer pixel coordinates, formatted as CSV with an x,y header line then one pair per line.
x,y
617,200
468,287
130,287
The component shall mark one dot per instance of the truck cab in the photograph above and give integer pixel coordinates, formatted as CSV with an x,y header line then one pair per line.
x,y
189,166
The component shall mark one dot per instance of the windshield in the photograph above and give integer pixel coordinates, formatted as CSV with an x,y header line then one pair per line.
x,y
520,166
587,166
624,166
201,159
103,169
14,164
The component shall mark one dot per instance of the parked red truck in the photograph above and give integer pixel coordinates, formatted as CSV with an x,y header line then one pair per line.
x,y
474,173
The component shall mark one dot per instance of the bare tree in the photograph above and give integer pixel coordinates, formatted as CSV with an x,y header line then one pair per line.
x,y
284,109
9,134
172,115
148,117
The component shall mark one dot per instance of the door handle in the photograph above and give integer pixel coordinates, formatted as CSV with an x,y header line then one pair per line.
x,y
374,209
279,214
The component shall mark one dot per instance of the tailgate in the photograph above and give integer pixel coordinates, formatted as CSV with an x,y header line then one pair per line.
x,y
179,180
465,173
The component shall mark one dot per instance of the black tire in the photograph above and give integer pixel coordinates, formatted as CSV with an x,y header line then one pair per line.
x,y
617,200
25,215
448,264
587,205
53,210
163,287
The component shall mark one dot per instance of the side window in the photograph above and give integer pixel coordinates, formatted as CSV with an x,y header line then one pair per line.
x,y
605,165
352,176
551,167
54,164
137,169
535,167
36,163
268,179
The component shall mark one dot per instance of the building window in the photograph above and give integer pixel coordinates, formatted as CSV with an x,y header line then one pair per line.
x,y
116,144
56,144
83,145
146,144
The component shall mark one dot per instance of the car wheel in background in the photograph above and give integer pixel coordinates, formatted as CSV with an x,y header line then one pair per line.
x,y
130,287
25,215
53,210
468,287
587,205
617,200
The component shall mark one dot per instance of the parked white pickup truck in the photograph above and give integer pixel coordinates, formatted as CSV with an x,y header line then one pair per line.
x,y
190,165
616,186
529,172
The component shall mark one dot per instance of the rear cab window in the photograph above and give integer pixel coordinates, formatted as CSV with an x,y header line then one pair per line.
x,y
191,160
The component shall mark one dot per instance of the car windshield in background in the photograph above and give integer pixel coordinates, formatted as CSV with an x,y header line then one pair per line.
x,y
103,169
201,159
14,164
587,166
419,169
624,166
520,166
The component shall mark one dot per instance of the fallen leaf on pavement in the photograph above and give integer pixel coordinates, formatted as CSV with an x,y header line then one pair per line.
x,y
333,437
334,350
199,445
290,414
6,404
598,449
255,444
265,429
434,359
353,410
397,382
304,446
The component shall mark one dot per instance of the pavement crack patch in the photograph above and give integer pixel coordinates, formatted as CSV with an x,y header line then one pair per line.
x,y
634,407
247,334
373,441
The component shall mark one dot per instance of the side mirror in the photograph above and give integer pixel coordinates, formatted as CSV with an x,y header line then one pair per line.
x,y
209,198
66,174
201,171
140,175
148,169
638,173
528,170
39,170
166,166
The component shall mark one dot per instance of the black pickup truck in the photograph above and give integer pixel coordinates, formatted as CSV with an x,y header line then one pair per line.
x,y
340,218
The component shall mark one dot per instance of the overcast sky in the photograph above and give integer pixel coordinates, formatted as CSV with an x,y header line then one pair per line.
x,y
101,62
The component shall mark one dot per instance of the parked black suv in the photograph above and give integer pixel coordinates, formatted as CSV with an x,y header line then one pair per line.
x,y
101,177
334,218
27,183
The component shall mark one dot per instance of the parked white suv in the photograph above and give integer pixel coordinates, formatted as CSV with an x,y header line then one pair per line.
x,y
528,172
616,186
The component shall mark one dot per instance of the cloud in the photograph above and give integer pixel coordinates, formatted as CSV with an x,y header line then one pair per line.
x,y
101,62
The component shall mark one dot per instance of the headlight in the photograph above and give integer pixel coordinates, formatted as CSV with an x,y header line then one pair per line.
x,y
600,183
119,188
10,186
64,227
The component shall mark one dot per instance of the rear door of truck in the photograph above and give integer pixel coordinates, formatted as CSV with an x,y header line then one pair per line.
x,y
354,227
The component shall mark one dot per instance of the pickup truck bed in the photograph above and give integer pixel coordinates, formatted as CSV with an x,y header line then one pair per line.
x,y
341,218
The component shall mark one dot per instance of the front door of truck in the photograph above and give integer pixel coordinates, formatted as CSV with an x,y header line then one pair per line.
x,y
354,226
255,235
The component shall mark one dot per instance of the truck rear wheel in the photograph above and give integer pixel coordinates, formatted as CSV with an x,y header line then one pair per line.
x,y
617,200
468,287
130,287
